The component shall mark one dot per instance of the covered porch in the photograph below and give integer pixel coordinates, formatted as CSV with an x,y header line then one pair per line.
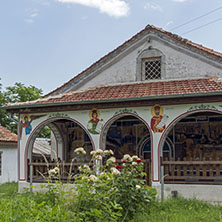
x,y
183,134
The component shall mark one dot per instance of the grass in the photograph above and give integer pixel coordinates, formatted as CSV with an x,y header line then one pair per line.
x,y
36,207
182,210
8,189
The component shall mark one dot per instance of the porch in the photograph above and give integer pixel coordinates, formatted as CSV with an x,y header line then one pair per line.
x,y
38,171
192,171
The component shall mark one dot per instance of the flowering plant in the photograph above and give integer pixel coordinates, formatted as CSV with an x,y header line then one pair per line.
x,y
108,190
80,151
122,185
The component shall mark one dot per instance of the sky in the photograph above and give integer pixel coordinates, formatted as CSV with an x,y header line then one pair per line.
x,y
45,43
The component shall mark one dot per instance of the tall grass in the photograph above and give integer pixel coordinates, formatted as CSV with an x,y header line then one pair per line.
x,y
8,189
182,210
41,207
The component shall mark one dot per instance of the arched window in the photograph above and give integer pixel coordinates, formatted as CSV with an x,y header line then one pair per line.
x,y
150,65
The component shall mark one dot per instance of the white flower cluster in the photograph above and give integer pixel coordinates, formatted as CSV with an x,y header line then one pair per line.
x,y
54,172
114,171
92,178
138,187
108,152
135,158
110,161
80,151
85,167
96,154
127,158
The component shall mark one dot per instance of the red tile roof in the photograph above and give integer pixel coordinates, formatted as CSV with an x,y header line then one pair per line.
x,y
148,28
134,91
7,136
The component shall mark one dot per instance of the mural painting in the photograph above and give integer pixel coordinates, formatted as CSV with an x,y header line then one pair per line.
x,y
158,121
77,137
124,136
26,123
198,137
95,124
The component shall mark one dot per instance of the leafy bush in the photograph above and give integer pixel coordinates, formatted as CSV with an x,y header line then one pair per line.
x,y
111,191
108,192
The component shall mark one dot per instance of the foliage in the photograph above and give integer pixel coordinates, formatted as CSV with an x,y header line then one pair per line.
x,y
40,206
181,210
21,93
17,93
45,133
8,189
108,192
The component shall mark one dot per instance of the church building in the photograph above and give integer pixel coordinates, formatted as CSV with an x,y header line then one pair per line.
x,y
158,96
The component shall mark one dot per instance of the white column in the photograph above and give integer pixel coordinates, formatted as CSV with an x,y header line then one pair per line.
x,y
155,157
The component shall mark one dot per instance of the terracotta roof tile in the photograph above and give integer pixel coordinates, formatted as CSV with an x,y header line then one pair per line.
x,y
146,90
7,136
145,30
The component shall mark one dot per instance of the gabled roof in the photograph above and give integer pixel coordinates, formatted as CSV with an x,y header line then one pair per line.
x,y
148,29
7,137
147,90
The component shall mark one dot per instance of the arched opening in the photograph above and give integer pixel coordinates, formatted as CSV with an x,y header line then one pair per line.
x,y
145,148
64,136
198,136
124,134
197,149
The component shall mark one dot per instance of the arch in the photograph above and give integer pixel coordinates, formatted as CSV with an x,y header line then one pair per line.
x,y
172,124
146,139
38,128
112,120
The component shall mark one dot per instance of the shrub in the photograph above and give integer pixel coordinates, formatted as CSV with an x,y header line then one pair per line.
x,y
109,192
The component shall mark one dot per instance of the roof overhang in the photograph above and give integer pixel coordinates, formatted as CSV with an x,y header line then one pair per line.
x,y
20,108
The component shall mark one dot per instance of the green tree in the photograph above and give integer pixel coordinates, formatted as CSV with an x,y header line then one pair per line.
x,y
3,116
12,94
21,93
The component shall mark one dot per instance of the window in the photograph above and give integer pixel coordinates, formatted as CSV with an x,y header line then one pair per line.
x,y
0,163
151,68
150,64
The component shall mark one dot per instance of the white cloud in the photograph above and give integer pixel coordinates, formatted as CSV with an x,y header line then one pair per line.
x,y
169,23
30,21
31,15
153,6
179,0
115,8
42,2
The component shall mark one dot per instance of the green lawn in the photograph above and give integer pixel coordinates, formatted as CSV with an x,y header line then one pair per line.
x,y
8,189
38,207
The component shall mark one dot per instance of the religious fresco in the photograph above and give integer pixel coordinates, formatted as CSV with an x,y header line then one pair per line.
x,y
198,137
95,124
26,123
158,121
124,136
77,137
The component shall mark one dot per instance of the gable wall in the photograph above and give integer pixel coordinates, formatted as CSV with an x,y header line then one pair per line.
x,y
179,63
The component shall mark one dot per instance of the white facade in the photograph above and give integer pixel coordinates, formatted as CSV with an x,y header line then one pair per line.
x,y
174,114
123,65
178,64
9,160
